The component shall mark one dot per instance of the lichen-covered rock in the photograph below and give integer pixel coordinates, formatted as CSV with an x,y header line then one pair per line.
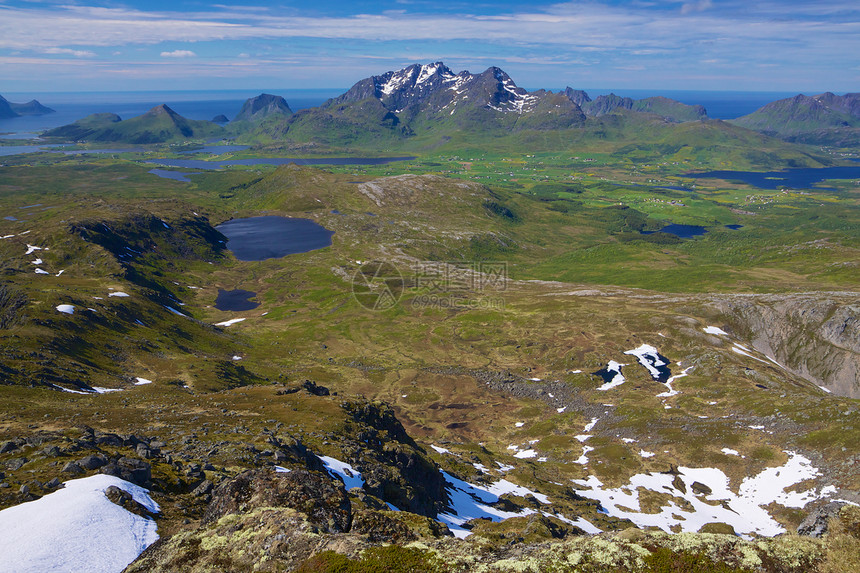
x,y
379,527
529,529
264,539
314,494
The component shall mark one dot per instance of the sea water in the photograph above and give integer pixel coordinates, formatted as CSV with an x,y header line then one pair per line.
x,y
199,105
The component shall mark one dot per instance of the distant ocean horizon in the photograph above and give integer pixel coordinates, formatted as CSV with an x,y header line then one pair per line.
x,y
205,105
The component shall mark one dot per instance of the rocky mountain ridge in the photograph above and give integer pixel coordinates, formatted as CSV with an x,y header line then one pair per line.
x,y
32,107
824,118
262,106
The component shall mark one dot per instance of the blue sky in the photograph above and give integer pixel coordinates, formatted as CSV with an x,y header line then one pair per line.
x,y
740,45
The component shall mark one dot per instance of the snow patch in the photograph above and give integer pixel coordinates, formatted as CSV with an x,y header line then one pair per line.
x,y
440,450
54,386
743,510
119,294
174,311
650,358
141,381
671,391
583,459
715,330
470,501
230,322
350,476
744,351
76,529
66,308
616,380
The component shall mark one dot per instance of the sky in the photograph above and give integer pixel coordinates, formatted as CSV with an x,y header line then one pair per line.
x,y
735,45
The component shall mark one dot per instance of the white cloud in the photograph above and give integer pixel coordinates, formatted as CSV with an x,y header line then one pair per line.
x,y
70,52
178,54
800,38
699,6
580,26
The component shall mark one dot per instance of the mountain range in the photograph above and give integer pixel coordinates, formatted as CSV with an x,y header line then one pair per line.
x,y
420,99
433,102
398,104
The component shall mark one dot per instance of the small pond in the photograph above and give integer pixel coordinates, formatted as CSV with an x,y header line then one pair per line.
x,y
273,236
682,231
235,300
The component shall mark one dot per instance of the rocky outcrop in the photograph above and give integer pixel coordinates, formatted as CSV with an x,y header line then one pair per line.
x,y
815,336
392,465
323,500
816,523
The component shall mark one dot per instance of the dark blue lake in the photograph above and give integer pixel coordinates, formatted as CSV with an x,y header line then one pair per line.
x,y
217,149
235,300
210,165
175,175
273,236
682,231
791,178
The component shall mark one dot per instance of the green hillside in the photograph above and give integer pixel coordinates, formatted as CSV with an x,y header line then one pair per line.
x,y
823,119
159,125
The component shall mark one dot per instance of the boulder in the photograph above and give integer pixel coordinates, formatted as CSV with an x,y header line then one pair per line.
x,y
136,471
8,447
72,468
125,500
93,462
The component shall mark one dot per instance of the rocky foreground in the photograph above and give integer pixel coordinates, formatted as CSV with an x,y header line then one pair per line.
x,y
268,503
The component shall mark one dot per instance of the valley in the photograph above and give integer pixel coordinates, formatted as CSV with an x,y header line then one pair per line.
x,y
529,342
